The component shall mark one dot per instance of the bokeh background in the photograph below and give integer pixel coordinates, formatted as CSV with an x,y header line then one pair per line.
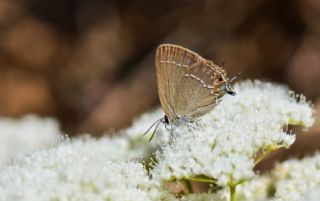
x,y
90,64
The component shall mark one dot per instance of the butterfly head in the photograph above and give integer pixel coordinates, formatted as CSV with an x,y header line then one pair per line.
x,y
228,89
224,84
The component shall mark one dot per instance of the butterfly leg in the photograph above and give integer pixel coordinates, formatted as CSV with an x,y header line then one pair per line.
x,y
154,131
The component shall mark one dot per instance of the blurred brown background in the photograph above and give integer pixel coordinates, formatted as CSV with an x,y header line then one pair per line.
x,y
91,63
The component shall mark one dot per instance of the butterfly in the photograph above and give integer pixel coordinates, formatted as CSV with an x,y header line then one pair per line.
x,y
189,86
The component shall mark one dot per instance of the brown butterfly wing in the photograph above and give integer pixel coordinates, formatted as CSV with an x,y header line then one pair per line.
x,y
200,88
172,62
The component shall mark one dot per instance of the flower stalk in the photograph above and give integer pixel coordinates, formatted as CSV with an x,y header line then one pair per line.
x,y
232,189
264,153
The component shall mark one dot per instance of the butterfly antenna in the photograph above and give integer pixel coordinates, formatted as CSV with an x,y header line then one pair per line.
x,y
235,77
223,63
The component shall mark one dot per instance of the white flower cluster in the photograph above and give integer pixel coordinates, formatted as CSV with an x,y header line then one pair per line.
x,y
26,135
296,180
225,143
292,180
312,195
221,147
257,189
253,190
83,168
77,171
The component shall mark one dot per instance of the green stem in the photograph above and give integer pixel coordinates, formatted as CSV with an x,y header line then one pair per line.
x,y
265,152
201,179
232,192
233,187
187,186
